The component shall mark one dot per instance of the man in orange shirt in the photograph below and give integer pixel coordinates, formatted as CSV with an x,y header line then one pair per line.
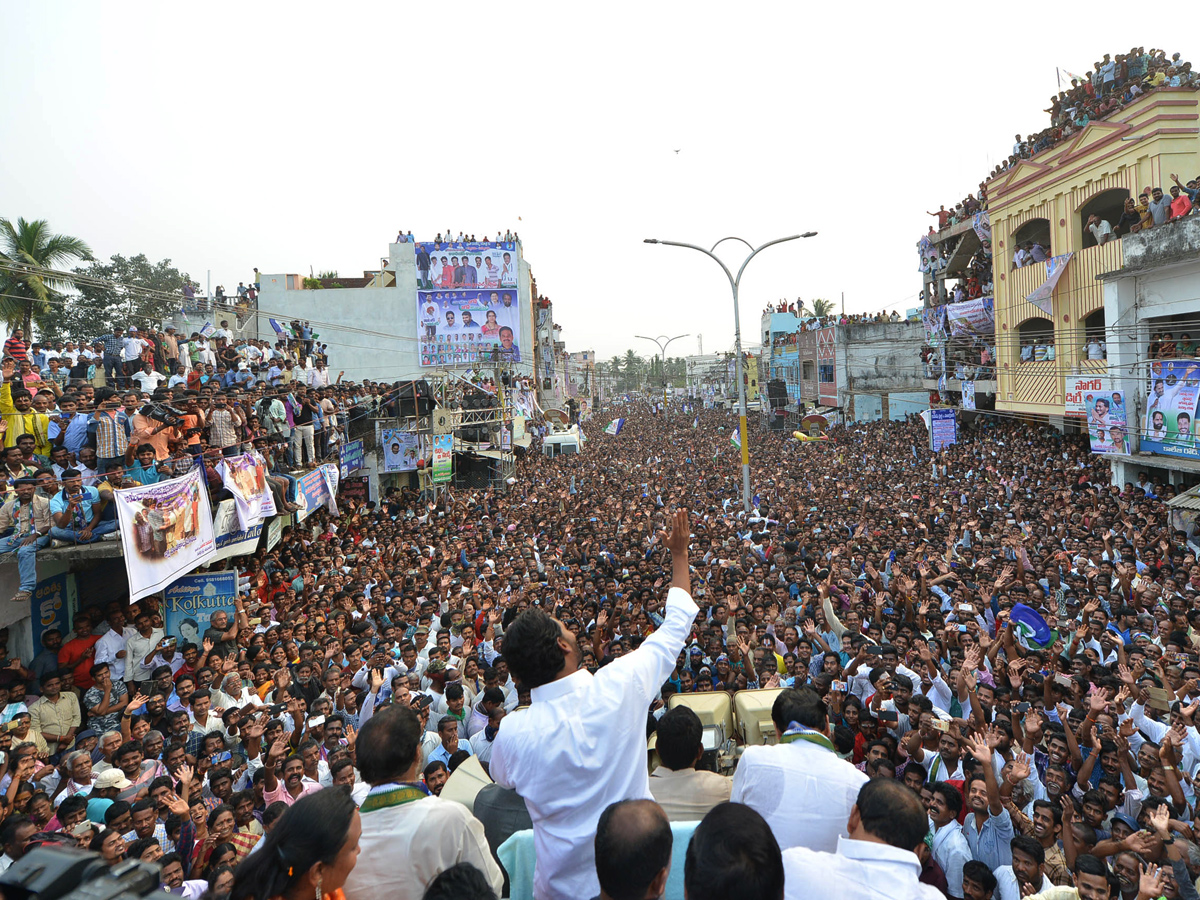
x,y
79,652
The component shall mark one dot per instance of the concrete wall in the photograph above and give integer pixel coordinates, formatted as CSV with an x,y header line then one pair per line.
x,y
880,357
869,407
372,331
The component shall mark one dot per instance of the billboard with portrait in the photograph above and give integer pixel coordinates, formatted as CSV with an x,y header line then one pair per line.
x,y
1108,428
464,266
1170,424
401,450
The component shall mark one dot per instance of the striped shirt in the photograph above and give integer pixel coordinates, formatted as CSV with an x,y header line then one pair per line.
x,y
113,344
111,439
221,432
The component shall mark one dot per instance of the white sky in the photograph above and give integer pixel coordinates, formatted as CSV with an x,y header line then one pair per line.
x,y
229,135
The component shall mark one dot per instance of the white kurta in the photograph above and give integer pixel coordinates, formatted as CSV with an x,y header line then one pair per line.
x,y
580,746
860,870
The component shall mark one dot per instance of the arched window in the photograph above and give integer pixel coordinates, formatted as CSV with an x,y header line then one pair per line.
x,y
1037,335
1093,343
1108,205
1036,231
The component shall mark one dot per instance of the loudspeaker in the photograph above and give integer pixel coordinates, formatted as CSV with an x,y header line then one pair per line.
x,y
414,398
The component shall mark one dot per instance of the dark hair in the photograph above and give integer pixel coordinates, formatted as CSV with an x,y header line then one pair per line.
x,y
803,706
387,745
1087,864
135,849
979,872
633,845
72,804
733,856
454,692
459,881
954,800
1031,847
313,830
892,812
274,811
115,810
679,738
531,648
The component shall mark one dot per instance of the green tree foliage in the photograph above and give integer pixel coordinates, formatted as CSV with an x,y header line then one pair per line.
x,y
123,291
28,297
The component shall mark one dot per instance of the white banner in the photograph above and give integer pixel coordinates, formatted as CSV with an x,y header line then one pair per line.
x,y
1080,389
166,531
231,538
1041,298
968,394
976,316
246,478
401,450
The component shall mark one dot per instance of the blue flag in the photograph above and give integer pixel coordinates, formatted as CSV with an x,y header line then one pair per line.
x,y
1031,629
615,426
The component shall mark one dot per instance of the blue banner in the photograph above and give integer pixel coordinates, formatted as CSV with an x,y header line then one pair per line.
x,y
316,489
1170,423
350,457
52,603
192,600
943,428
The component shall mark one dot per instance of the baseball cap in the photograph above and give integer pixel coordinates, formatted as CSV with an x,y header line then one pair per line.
x,y
112,778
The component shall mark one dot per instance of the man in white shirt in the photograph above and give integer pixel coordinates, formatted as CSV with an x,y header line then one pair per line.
x,y
111,647
1100,228
950,848
132,350
1028,858
581,744
878,859
408,836
147,379
800,785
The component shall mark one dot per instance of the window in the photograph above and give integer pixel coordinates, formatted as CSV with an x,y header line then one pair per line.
x,y
1035,231
1108,205
825,373
1093,343
1037,339
808,370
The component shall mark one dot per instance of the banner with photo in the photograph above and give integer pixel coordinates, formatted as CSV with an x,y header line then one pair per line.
x,y
968,395
976,317
443,458
231,538
1042,297
191,601
1108,428
463,266
244,476
316,489
401,450
928,253
934,320
1080,390
982,223
166,531
1170,424
468,327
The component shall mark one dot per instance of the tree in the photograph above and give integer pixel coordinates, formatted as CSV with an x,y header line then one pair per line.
x,y
633,366
614,366
123,291
822,307
27,295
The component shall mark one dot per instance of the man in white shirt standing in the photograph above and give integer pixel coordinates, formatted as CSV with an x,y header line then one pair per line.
x,y
581,744
950,848
878,859
1100,228
800,785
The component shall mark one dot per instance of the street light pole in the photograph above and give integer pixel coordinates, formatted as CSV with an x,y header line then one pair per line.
x,y
734,283
662,349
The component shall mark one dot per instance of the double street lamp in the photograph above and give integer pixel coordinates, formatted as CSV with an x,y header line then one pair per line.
x,y
734,282
663,343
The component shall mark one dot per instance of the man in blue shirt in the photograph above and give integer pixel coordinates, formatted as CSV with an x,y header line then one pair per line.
x,y
145,470
75,512
448,730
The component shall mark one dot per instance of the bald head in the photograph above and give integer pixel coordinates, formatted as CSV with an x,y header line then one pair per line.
x,y
633,850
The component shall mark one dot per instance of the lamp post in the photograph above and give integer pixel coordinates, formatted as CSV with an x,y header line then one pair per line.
x,y
734,282
663,343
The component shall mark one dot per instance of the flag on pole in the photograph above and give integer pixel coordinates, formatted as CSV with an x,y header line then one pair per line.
x,y
207,329
1032,630
279,328
736,439
615,426
696,422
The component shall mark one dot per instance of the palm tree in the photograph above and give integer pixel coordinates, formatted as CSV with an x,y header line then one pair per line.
x,y
633,366
31,247
822,307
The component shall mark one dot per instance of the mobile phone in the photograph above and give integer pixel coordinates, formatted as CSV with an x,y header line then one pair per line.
x,y
939,724
276,708
254,621
889,611
316,721
889,717
874,650
13,725
962,628
1022,708
838,686
218,758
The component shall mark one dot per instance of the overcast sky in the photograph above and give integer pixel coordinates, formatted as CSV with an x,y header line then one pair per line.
x,y
230,135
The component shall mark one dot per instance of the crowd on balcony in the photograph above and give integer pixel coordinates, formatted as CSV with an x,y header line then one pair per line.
x,y
403,237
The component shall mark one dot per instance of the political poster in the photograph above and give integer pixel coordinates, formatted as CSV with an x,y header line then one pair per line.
x,y
468,327
928,253
976,317
943,428
1042,296
401,450
356,489
274,532
1108,428
53,599
244,476
968,395
934,320
1170,424
317,489
231,538
350,457
166,531
982,223
1079,388
443,458
191,601
466,265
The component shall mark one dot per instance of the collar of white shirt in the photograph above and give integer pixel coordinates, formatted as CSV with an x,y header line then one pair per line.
x,y
870,851
561,687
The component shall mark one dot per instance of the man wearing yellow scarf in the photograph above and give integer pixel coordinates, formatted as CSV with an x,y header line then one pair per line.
x,y
19,416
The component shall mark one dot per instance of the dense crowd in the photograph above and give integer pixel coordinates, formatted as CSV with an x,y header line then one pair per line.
x,y
377,651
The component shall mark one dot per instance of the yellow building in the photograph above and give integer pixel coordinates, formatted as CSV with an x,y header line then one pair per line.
x,y
1048,199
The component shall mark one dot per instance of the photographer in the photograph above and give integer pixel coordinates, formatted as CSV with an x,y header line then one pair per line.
x,y
157,425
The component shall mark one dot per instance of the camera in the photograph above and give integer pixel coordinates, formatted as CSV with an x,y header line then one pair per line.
x,y
57,873
163,412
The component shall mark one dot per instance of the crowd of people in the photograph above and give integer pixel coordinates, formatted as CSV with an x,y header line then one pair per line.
x,y
406,237
931,738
